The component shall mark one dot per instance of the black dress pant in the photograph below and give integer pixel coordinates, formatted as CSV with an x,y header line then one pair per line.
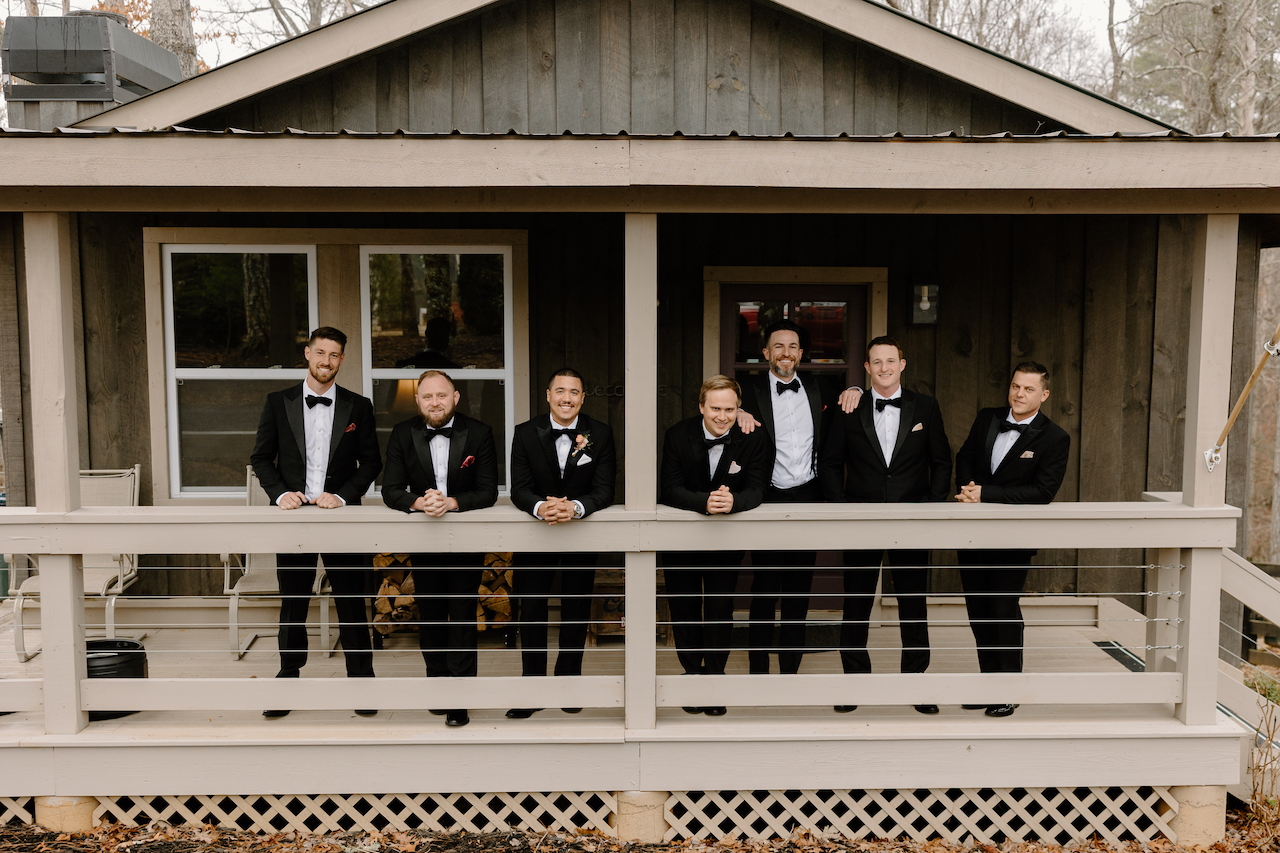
x,y
910,583
296,574
700,586
993,582
532,585
446,588
785,575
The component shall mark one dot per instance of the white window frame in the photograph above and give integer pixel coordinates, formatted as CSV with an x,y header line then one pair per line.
x,y
506,374
174,374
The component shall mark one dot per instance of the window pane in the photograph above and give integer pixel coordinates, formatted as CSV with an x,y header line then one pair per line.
x,y
438,311
753,319
239,309
217,423
482,399
823,323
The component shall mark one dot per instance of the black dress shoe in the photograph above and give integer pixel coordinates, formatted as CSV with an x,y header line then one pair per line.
x,y
974,707
365,712
927,709
844,709
438,712
457,717
690,709
271,715
572,710
715,710
522,713
1000,710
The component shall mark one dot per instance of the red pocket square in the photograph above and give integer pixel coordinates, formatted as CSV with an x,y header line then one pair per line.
x,y
467,461
350,428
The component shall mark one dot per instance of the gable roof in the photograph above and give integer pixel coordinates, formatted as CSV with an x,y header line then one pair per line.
x,y
382,26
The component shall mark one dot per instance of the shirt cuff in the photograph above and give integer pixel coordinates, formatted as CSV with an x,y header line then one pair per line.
x,y
578,509
536,510
339,497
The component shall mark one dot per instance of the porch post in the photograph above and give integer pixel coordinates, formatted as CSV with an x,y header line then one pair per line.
x,y
48,253
1208,389
641,305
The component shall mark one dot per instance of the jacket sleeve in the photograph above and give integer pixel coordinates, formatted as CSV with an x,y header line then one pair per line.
x,y
969,459
604,475
396,491
266,448
522,493
674,491
1047,481
368,457
831,460
939,458
759,472
485,491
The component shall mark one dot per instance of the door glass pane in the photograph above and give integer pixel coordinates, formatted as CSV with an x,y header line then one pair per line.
x,y
217,424
436,311
824,326
753,319
239,309
482,399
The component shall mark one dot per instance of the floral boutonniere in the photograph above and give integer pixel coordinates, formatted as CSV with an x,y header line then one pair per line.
x,y
581,444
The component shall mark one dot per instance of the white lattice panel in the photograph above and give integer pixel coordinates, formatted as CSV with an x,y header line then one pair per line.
x,y
436,812
957,815
16,810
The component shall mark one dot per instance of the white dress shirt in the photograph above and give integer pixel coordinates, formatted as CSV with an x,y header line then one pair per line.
x,y
793,435
887,422
440,460
564,445
1006,440
317,429
715,451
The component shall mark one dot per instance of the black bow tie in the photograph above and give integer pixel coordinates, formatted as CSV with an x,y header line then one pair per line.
x,y
1006,426
712,442
793,385
432,433
567,433
312,399
880,404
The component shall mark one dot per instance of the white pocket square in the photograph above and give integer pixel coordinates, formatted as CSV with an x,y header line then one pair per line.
x,y
1027,454
734,467
917,427
584,459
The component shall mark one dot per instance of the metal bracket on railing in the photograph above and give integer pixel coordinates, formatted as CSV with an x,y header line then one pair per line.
x,y
1213,456
1271,348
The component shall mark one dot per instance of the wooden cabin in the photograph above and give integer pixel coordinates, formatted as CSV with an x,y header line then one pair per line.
x,y
632,188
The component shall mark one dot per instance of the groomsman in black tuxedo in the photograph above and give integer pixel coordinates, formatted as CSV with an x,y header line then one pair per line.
x,y
1014,455
563,468
316,446
793,411
892,450
710,466
438,462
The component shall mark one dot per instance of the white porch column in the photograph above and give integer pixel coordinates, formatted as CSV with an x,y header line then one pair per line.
x,y
47,248
641,235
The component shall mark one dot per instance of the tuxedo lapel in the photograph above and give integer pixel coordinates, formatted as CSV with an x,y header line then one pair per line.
x,y
698,452
548,445
571,463
993,432
423,448
297,421
726,458
815,408
866,416
342,406
1021,444
906,420
764,395
457,451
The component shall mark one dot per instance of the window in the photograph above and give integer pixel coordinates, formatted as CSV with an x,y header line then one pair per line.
x,y
442,307
236,320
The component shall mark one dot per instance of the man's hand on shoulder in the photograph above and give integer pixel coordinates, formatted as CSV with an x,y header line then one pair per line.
x,y
849,399
746,422
329,501
291,500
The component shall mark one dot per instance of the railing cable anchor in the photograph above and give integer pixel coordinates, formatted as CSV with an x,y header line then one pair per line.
x,y
1213,455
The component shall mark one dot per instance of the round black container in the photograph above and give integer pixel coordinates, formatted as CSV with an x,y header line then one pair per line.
x,y
115,659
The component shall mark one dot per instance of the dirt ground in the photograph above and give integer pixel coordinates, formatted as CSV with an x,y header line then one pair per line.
x,y
1243,836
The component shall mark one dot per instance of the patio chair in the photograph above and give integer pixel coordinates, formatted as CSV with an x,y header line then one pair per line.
x,y
259,579
105,575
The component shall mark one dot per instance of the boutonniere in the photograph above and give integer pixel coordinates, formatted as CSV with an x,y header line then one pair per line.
x,y
581,443
466,463
350,428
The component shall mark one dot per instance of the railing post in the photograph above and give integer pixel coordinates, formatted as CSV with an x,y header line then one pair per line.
x,y
1162,631
641,635
1198,635
47,253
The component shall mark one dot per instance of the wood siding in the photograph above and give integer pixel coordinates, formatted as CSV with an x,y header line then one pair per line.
x,y
645,67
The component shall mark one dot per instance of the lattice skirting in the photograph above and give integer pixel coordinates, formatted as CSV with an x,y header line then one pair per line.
x,y
435,812
961,815
16,810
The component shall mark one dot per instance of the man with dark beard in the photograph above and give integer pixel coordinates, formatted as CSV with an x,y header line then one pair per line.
x,y
438,462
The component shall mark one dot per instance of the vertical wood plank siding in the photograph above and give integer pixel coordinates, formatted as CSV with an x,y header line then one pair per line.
x,y
633,66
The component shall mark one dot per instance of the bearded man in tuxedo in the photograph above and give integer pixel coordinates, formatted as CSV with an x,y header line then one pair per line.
x,y
563,467
316,446
1015,455
438,462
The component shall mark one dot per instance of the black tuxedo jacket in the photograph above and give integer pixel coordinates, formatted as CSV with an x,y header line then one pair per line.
x,y
686,474
280,451
473,465
758,395
535,470
853,467
1030,473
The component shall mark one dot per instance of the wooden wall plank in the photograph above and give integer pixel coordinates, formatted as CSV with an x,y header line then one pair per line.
x,y
653,61
355,96
1016,119
243,116
690,75
875,105
984,115
505,55
764,117
430,61
393,90
11,385
541,61
949,106
728,66
468,77
279,109
578,66
839,59
615,66
802,102
315,104
1244,354
913,100
1171,330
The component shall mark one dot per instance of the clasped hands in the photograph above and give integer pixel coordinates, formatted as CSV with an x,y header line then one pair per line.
x,y
293,500
720,501
848,401
558,510
970,494
434,503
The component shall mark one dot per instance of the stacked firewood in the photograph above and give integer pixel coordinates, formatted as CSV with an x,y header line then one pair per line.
x,y
394,605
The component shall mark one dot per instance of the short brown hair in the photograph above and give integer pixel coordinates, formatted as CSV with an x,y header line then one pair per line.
x,y
885,341
328,333
719,382
1033,367
427,374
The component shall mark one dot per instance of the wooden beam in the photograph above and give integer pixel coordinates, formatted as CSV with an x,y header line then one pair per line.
x,y
12,332
641,588
641,359
1198,635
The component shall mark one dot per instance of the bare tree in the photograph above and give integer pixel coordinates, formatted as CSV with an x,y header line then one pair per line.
x,y
260,23
171,28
